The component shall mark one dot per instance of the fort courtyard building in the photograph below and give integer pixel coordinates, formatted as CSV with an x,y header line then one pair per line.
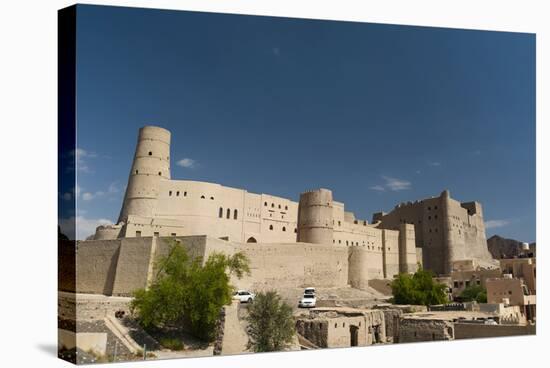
x,y
312,241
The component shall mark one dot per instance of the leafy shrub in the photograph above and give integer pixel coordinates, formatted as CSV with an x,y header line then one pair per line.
x,y
419,288
188,293
474,293
271,325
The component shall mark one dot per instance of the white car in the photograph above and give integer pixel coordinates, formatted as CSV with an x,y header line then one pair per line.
x,y
308,301
309,290
244,296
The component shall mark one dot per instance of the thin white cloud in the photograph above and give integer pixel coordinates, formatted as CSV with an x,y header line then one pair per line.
x,y
493,224
378,188
81,157
84,226
113,187
111,191
396,184
87,196
434,163
276,51
187,163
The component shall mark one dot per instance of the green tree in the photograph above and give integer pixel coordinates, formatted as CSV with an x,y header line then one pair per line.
x,y
419,288
271,325
474,292
187,292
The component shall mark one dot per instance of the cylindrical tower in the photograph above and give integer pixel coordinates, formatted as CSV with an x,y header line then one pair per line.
x,y
151,165
448,249
315,218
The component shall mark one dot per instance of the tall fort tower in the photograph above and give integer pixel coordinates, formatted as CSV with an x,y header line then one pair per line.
x,y
445,229
151,165
315,217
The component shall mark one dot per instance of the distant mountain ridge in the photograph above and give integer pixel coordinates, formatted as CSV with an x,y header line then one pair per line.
x,y
500,247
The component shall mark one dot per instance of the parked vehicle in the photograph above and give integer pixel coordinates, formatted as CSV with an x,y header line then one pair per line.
x,y
308,301
244,296
309,290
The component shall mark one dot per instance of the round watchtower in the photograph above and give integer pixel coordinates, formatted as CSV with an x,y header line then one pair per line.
x,y
151,165
315,218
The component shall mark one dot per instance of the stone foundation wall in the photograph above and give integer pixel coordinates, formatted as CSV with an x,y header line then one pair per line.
x,y
315,331
415,330
472,331
81,307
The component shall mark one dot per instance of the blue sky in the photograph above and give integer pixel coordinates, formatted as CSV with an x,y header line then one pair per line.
x,y
378,113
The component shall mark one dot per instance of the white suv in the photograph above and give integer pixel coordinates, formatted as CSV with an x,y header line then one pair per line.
x,y
244,296
308,301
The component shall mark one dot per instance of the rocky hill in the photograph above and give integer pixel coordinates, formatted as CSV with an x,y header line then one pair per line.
x,y
500,247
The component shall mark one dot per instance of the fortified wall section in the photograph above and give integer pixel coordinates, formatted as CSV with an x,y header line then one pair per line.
x,y
294,265
120,266
445,229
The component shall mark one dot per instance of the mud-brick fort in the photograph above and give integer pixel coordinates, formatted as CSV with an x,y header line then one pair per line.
x,y
314,241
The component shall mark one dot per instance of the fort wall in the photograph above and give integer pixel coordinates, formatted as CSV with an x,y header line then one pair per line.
x,y
294,265
120,266
96,266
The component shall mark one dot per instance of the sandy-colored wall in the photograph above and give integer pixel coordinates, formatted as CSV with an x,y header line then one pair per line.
x,y
524,268
294,265
501,288
407,249
244,215
120,266
414,330
86,307
339,335
462,279
96,265
316,331
133,265
358,273
137,226
335,331
444,229
472,331
391,252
